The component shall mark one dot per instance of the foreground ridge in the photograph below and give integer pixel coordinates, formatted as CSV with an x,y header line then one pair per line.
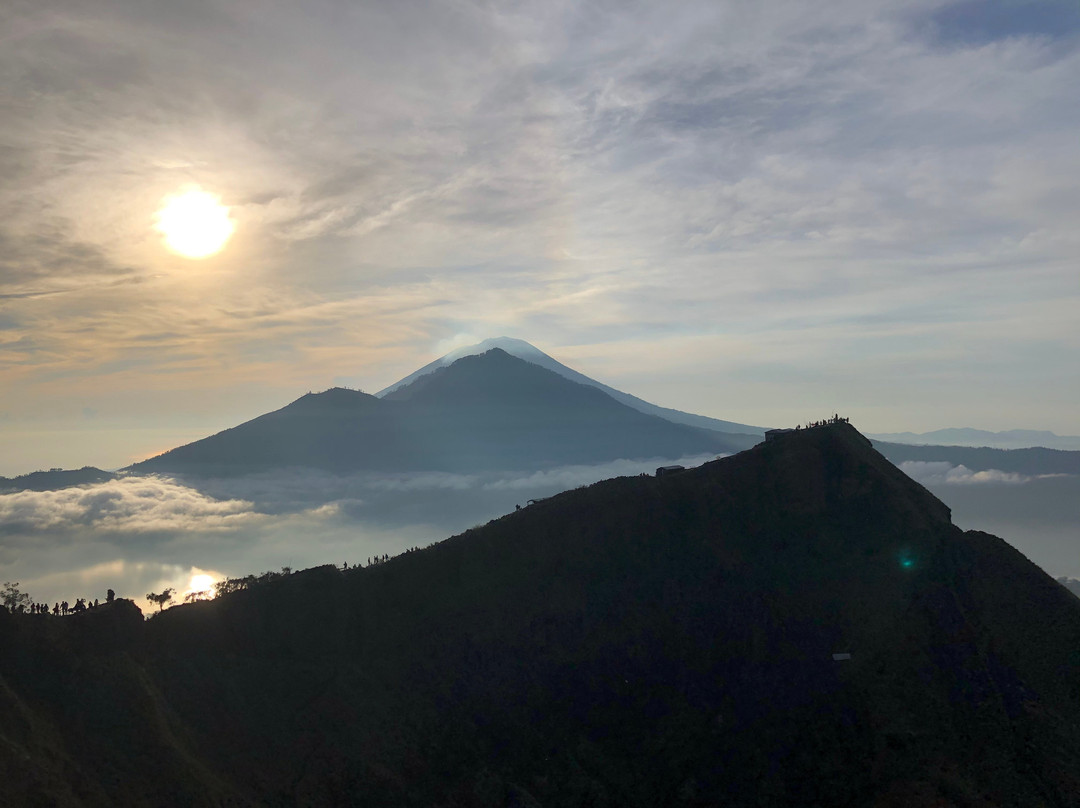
x,y
798,624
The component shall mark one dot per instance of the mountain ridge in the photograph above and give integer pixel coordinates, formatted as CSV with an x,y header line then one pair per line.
x,y
644,641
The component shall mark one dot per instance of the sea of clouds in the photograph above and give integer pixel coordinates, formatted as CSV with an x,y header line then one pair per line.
x,y
945,473
141,534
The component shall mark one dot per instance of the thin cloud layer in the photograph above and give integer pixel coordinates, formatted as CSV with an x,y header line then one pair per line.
x,y
566,477
945,473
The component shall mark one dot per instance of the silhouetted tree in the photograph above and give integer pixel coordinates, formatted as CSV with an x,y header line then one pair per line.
x,y
13,598
161,598
110,596
229,585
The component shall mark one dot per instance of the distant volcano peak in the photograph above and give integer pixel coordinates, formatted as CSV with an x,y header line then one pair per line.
x,y
510,345
530,353
492,411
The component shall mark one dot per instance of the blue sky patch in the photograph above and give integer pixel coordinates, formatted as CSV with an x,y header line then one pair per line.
x,y
979,21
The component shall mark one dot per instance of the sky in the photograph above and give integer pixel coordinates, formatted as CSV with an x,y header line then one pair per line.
x,y
765,212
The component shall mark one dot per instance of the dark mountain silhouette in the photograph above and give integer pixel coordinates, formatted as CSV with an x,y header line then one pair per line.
x,y
53,479
523,350
485,412
797,625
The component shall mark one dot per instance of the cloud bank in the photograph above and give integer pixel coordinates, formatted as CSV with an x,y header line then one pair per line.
x,y
126,505
139,534
945,473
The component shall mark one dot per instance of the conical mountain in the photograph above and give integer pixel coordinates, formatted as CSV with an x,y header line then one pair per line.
x,y
530,353
497,411
487,412
515,347
337,430
797,625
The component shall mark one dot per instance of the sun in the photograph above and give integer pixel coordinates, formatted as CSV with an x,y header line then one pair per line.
x,y
200,582
195,223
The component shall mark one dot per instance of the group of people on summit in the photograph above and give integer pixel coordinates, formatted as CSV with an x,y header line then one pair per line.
x,y
64,608
836,419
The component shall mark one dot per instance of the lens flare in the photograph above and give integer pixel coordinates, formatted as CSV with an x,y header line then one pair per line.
x,y
195,223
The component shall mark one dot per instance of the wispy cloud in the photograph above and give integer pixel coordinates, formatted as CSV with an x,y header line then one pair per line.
x,y
945,473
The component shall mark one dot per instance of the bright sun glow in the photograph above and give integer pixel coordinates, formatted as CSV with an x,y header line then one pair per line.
x,y
200,583
195,223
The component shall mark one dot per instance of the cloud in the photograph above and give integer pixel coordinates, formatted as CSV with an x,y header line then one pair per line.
x,y
138,535
383,492
945,473
126,505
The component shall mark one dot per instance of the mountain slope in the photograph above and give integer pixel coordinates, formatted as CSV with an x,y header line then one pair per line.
x,y
642,642
523,350
338,430
487,412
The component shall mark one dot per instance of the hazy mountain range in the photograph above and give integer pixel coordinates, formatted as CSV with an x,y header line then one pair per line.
x,y
1009,439
799,624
